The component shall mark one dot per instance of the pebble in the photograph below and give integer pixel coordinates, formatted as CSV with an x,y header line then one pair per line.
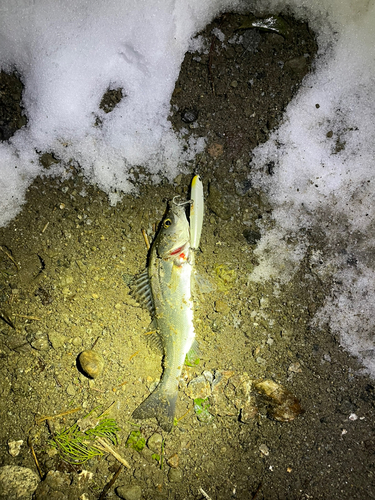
x,y
297,64
155,441
173,461
263,448
295,367
219,203
222,307
215,150
92,363
15,447
129,492
175,475
57,339
40,341
77,341
199,387
71,390
189,115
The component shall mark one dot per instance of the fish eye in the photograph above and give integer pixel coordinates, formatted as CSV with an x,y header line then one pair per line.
x,y
167,222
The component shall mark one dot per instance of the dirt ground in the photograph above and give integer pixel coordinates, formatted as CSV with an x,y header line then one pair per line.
x,y
66,262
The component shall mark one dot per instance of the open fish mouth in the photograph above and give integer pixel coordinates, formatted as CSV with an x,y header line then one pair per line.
x,y
178,250
180,253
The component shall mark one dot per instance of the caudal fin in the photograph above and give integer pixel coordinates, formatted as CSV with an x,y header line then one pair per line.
x,y
158,405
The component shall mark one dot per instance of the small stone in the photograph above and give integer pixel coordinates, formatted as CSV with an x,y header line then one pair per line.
x,y
297,64
295,368
261,361
263,448
15,447
178,179
129,492
71,390
252,237
155,441
91,362
199,387
220,203
40,341
77,341
215,150
234,84
208,376
221,307
189,115
248,412
148,455
57,339
175,475
173,461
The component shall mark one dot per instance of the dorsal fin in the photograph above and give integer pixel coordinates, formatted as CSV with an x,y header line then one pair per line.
x,y
140,289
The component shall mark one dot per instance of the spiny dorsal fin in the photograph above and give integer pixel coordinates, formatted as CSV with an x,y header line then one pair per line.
x,y
140,290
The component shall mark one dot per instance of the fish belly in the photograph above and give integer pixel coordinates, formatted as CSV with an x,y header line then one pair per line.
x,y
174,318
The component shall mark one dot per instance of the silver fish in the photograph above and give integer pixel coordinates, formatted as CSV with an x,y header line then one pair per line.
x,y
166,289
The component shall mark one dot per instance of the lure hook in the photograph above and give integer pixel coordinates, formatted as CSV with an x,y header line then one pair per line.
x,y
182,203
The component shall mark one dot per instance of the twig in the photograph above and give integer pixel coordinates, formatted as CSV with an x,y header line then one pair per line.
x,y
145,237
106,488
94,344
184,415
62,414
34,456
27,317
104,446
257,491
9,257
132,356
207,497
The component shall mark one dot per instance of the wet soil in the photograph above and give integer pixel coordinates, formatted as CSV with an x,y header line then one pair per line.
x,y
66,262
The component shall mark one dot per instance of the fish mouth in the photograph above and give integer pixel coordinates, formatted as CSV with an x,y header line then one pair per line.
x,y
181,251
178,250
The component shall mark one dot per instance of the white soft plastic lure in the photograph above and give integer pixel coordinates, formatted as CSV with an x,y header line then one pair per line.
x,y
165,288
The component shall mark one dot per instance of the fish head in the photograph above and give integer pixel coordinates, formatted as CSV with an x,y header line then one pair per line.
x,y
173,240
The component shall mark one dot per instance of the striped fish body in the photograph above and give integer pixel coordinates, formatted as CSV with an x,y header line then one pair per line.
x,y
166,288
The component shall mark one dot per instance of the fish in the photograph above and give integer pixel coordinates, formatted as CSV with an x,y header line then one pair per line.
x,y
166,289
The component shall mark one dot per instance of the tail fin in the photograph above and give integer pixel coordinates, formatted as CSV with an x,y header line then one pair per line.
x,y
159,405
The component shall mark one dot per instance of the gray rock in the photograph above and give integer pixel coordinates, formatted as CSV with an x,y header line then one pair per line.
x,y
64,486
199,387
40,341
17,483
220,203
175,475
155,441
129,492
57,339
